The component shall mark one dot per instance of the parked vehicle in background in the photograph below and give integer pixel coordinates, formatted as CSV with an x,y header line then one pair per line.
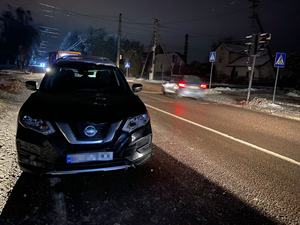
x,y
184,86
83,118
53,56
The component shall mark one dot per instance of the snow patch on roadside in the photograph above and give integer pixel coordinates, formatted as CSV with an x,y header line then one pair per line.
x,y
12,85
233,89
212,91
12,72
293,94
275,105
262,102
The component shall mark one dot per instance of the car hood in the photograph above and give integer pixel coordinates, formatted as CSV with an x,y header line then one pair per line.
x,y
61,107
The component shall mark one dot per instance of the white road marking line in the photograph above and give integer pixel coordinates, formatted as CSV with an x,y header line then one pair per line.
x,y
230,137
171,100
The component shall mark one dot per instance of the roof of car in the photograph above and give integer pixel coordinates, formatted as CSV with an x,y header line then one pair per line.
x,y
87,59
182,75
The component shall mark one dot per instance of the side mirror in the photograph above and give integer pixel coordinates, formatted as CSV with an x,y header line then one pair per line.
x,y
137,87
31,85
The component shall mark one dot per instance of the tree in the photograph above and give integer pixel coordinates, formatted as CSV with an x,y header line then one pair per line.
x,y
290,74
20,37
133,52
95,42
98,42
74,41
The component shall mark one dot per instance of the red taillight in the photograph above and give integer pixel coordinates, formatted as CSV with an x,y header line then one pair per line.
x,y
182,85
203,86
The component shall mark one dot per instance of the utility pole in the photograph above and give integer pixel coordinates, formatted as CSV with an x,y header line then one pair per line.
x,y
254,18
119,40
146,57
253,5
185,51
156,21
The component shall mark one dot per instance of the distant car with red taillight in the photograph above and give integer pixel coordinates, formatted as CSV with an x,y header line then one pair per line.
x,y
184,86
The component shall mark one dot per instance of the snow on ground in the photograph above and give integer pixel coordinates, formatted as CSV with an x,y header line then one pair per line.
x,y
280,108
10,103
12,95
286,104
292,94
233,89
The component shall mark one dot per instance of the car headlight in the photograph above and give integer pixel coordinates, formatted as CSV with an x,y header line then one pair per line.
x,y
136,122
41,126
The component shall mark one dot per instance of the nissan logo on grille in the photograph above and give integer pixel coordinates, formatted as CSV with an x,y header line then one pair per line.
x,y
90,131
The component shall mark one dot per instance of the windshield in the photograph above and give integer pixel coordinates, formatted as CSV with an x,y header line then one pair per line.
x,y
191,79
66,79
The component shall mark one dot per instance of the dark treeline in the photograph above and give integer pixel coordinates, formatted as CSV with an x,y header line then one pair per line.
x,y
20,38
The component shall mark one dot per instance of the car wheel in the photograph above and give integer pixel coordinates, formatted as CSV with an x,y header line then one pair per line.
x,y
163,90
177,95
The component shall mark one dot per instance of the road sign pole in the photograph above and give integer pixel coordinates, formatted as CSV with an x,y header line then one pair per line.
x,y
127,72
211,70
275,85
212,58
251,77
279,63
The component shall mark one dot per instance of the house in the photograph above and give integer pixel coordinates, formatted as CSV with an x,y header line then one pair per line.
x,y
225,54
263,71
165,63
232,63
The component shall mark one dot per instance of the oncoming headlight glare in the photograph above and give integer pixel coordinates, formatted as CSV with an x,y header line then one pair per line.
x,y
135,122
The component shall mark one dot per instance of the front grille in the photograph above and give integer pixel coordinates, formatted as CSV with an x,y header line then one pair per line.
x,y
78,131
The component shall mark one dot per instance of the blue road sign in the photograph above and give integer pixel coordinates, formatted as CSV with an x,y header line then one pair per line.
x,y
280,59
212,57
127,65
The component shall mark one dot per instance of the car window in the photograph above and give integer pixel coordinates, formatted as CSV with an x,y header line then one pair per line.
x,y
175,78
66,79
191,79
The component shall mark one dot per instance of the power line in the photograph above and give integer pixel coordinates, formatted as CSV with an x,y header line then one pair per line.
x,y
125,32
133,28
137,23
63,11
208,17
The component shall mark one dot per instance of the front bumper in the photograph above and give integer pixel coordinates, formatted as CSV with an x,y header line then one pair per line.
x,y
42,154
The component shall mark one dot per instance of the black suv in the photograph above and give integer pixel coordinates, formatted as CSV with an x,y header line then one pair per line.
x,y
83,118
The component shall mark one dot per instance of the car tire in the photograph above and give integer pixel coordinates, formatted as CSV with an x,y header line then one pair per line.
x,y
163,91
177,95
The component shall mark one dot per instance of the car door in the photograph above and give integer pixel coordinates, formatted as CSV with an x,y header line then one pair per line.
x,y
169,86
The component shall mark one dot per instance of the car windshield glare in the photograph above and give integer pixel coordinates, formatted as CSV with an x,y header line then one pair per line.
x,y
103,80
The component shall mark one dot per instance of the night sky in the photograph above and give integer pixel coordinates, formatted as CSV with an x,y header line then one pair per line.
x,y
205,21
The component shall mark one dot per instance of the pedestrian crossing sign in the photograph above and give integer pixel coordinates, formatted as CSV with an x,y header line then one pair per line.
x,y
212,57
127,65
280,59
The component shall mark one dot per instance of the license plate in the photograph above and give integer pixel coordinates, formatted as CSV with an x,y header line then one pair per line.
x,y
89,157
194,87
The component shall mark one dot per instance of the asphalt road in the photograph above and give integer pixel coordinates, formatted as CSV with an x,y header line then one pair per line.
x,y
211,164
251,155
